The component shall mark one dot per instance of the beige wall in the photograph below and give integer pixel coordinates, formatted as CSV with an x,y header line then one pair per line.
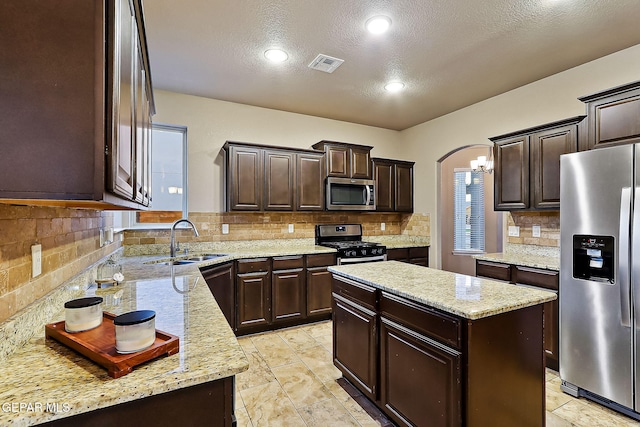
x,y
546,100
461,263
211,122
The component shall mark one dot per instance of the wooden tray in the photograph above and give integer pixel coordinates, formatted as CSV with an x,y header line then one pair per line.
x,y
99,345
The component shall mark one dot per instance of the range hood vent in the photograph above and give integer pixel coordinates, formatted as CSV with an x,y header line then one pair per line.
x,y
326,63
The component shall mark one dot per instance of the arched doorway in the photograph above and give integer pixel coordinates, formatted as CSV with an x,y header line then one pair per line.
x,y
457,243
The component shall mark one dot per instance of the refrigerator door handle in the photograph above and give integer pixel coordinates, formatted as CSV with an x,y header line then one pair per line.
x,y
624,271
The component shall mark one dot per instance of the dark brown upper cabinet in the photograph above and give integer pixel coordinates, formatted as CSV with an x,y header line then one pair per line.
x,y
346,160
77,104
613,116
268,178
394,185
244,177
279,168
527,165
310,174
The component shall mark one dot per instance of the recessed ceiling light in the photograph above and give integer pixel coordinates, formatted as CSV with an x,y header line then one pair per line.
x,y
276,55
394,86
378,24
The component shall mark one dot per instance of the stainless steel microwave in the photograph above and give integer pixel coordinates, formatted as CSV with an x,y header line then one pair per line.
x,y
348,194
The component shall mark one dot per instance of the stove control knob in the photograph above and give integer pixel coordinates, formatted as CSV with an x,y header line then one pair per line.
x,y
363,251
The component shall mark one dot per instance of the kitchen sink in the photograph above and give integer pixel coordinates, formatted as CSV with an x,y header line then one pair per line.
x,y
192,260
204,257
178,262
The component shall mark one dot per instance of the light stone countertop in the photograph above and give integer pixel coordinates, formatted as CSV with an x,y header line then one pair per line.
x,y
465,296
399,241
523,259
45,372
41,372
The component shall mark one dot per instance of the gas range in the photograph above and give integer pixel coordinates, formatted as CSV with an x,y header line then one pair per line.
x,y
347,240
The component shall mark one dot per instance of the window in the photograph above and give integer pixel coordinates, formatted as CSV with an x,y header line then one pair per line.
x,y
168,175
468,198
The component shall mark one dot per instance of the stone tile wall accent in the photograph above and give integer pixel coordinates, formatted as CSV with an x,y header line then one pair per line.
x,y
70,240
274,225
549,223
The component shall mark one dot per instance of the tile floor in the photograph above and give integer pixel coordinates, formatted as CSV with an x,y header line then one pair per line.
x,y
291,381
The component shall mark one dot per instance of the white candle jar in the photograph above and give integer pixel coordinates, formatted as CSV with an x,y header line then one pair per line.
x,y
135,331
82,314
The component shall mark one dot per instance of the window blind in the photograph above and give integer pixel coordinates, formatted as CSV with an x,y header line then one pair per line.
x,y
468,199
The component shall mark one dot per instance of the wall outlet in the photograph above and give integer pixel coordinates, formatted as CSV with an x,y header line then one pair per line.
x,y
290,228
383,226
225,228
535,231
514,231
109,235
36,260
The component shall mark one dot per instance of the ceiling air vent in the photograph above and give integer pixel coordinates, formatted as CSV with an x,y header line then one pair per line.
x,y
325,63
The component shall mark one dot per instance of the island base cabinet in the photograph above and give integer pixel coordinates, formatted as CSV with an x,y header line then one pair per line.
x,y
209,404
427,367
506,370
420,379
355,344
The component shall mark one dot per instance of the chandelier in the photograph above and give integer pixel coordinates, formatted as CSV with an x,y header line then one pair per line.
x,y
483,163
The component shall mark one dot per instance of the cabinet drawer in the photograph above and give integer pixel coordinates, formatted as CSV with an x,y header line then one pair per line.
x,y
398,254
421,252
321,260
358,292
547,279
253,264
493,270
288,262
427,321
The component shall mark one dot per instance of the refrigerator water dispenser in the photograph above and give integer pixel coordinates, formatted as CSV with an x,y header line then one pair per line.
x,y
593,258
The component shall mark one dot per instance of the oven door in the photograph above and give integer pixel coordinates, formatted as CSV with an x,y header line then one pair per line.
x,y
350,194
377,258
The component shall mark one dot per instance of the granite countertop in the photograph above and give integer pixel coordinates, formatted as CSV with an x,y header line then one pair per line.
x,y
465,296
44,372
523,259
399,241
36,372
277,247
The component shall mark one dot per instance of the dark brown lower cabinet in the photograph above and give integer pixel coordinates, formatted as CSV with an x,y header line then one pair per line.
x,y
207,404
355,350
254,299
418,255
261,294
547,280
287,294
220,279
319,285
318,291
410,362
425,367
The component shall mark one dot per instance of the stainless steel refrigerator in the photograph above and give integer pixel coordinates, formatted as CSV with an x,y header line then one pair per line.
x,y
600,276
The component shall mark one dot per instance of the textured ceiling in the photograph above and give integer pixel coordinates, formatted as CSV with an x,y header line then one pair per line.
x,y
449,53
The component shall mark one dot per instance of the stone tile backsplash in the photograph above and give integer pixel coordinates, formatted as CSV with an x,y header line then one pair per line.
x,y
70,240
549,223
274,225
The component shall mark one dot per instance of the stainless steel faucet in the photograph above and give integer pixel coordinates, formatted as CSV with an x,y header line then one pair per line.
x,y
172,244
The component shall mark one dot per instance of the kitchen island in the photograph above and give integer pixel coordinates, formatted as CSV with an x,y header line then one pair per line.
x,y
43,381
435,348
